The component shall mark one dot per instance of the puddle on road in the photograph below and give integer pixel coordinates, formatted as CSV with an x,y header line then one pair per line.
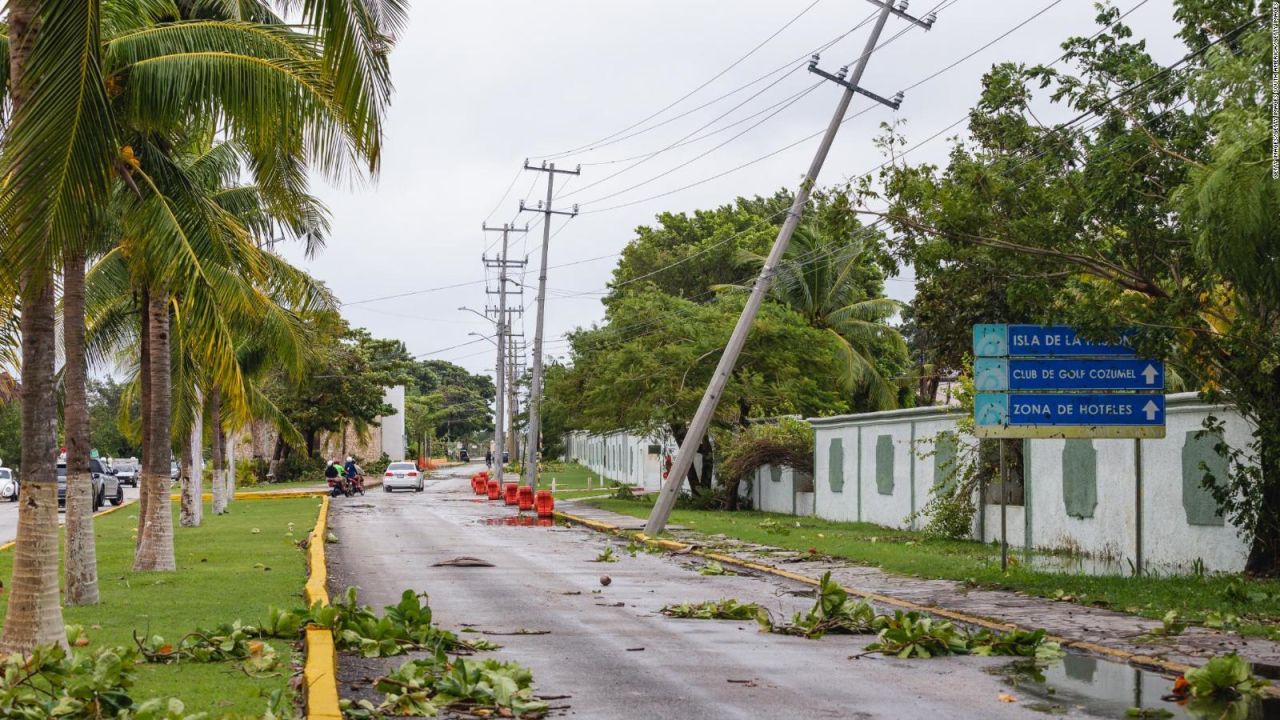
x,y
1104,689
520,521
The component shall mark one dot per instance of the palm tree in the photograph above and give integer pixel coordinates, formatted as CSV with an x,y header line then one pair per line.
x,y
80,555
295,99
269,297
831,280
57,151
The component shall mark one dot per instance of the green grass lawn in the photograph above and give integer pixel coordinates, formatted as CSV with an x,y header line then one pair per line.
x,y
235,566
1256,602
571,480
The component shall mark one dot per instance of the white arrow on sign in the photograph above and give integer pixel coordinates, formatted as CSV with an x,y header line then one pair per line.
x,y
1151,409
1150,374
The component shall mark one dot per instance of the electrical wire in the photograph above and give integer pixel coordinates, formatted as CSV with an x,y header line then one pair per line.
x,y
698,157
609,139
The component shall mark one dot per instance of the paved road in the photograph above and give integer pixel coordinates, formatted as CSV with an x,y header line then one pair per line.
x,y
9,515
608,647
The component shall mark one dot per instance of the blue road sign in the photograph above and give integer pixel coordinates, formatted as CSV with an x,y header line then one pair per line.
x,y
999,340
1068,374
1060,409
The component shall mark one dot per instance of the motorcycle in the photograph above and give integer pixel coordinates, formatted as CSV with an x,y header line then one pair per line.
x,y
341,486
357,484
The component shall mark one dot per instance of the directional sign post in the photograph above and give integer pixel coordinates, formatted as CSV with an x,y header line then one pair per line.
x,y
1038,381
1046,381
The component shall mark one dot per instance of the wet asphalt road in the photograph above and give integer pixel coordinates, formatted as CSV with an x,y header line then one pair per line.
x,y
9,514
609,648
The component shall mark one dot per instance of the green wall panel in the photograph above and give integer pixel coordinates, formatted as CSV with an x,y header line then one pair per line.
x,y
1198,455
1079,478
835,464
944,458
884,464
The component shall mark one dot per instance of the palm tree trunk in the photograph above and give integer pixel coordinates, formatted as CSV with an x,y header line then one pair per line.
x,y
155,531
192,512
219,452
80,556
229,492
35,614
144,403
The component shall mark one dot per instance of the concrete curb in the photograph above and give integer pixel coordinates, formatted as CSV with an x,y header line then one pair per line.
x,y
320,671
1143,661
9,545
278,494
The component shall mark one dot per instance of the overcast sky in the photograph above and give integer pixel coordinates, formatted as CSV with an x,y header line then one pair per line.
x,y
482,84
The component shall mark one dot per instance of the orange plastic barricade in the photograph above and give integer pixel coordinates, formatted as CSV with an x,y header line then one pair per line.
x,y
524,498
545,503
494,491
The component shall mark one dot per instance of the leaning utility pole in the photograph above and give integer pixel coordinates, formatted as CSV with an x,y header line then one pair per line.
x,y
534,441
501,263
702,419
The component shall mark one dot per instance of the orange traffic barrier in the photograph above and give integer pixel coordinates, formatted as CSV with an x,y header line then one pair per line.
x,y
544,503
510,493
494,491
524,498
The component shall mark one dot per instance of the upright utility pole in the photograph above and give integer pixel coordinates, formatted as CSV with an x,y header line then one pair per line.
x,y
512,375
534,441
499,339
702,418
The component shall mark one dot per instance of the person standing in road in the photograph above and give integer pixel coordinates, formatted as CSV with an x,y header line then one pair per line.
x,y
488,458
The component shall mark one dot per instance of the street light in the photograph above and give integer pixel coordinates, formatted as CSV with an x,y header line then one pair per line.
x,y
486,318
486,337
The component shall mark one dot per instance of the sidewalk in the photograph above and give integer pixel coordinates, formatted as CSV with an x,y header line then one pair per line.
x,y
1097,630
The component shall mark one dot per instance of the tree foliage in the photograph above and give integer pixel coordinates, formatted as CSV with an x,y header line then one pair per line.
x,y
1156,214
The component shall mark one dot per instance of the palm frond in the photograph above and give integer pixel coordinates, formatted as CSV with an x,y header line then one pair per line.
x,y
59,144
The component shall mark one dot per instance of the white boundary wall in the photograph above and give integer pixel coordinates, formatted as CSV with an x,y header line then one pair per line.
x,y
624,457
1091,505
1081,495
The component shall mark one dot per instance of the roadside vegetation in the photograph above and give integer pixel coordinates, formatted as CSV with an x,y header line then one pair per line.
x,y
1175,167
1248,606
571,481
228,571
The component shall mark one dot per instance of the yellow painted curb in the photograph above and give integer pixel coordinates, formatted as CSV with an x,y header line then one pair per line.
x,y
1125,656
279,494
320,670
319,673
9,545
316,590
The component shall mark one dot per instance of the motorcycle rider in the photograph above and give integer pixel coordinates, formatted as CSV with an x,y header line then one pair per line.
x,y
352,472
333,474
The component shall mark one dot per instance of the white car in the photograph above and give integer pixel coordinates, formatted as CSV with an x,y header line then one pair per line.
x,y
8,484
402,476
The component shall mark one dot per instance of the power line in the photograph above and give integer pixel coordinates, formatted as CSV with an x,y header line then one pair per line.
x,y
694,159
686,96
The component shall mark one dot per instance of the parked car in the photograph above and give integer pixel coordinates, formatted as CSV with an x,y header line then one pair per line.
x,y
126,471
174,471
464,456
106,487
8,483
402,475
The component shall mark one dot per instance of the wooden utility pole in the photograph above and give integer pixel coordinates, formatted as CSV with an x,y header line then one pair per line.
x,y
502,264
533,442
711,398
